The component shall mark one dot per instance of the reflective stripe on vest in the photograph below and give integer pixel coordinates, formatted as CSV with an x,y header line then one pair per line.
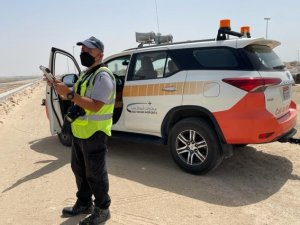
x,y
85,126
96,117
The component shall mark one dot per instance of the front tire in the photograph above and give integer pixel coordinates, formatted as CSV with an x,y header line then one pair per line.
x,y
195,146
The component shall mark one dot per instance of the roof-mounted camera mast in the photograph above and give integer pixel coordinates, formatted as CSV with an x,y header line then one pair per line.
x,y
225,30
152,38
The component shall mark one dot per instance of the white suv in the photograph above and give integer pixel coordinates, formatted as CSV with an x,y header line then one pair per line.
x,y
200,98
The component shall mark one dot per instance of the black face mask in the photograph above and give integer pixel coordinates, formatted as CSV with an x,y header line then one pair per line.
x,y
86,59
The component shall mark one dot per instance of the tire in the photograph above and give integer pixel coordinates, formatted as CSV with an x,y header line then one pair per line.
x,y
66,140
184,140
240,145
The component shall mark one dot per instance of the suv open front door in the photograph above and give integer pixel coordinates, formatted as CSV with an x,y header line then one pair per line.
x,y
63,66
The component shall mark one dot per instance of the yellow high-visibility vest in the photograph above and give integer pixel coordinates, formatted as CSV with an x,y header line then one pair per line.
x,y
85,126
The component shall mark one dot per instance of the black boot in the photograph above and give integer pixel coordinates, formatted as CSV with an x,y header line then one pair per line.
x,y
78,208
99,216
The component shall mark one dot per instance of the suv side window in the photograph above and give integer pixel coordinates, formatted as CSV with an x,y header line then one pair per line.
x,y
152,65
217,58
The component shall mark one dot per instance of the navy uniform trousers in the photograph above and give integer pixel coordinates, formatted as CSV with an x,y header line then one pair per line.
x,y
88,162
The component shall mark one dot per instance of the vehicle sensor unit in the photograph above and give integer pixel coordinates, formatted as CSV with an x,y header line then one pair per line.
x,y
145,38
152,38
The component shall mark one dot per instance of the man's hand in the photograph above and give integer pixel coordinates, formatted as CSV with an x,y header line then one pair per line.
x,y
61,88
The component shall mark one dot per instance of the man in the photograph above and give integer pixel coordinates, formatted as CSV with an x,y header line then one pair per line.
x,y
95,93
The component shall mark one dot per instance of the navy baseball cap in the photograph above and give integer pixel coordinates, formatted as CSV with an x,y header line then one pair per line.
x,y
92,42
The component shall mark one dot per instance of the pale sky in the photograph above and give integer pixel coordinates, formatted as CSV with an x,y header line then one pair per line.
x,y
30,28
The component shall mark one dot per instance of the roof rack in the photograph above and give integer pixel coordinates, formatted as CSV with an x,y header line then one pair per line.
x,y
173,43
158,39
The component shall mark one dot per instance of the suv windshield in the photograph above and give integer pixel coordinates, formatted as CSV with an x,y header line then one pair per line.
x,y
264,58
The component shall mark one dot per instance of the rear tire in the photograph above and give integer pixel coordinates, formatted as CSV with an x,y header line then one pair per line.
x,y
66,140
195,146
240,145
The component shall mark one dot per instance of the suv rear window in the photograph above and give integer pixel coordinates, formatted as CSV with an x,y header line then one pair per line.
x,y
263,58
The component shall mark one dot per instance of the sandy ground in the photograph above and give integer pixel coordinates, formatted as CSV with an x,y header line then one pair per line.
x,y
260,184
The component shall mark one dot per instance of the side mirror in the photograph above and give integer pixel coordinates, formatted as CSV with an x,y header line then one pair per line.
x,y
69,79
125,62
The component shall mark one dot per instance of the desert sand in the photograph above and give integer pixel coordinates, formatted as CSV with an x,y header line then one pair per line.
x,y
259,185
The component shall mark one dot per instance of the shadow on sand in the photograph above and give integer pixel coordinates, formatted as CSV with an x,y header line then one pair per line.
x,y
248,177
48,146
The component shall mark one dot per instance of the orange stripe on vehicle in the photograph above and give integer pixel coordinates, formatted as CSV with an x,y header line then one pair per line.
x,y
160,91
188,88
199,88
156,90
150,90
179,87
192,88
143,90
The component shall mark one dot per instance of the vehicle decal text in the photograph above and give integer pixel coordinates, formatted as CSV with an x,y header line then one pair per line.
x,y
142,107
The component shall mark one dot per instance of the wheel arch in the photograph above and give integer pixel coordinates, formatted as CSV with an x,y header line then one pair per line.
x,y
181,112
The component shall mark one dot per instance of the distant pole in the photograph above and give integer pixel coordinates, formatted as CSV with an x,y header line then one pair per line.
x,y
73,50
157,17
267,25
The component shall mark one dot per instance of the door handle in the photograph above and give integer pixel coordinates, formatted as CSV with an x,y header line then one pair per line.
x,y
169,89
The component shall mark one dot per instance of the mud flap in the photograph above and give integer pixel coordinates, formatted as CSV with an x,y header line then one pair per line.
x,y
294,141
227,150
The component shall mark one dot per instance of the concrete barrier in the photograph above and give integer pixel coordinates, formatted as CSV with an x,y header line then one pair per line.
x,y
7,94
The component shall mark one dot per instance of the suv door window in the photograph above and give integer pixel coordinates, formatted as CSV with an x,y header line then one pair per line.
x,y
153,65
171,67
119,65
119,68
64,64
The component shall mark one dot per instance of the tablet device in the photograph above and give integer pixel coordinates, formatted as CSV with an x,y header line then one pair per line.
x,y
48,74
